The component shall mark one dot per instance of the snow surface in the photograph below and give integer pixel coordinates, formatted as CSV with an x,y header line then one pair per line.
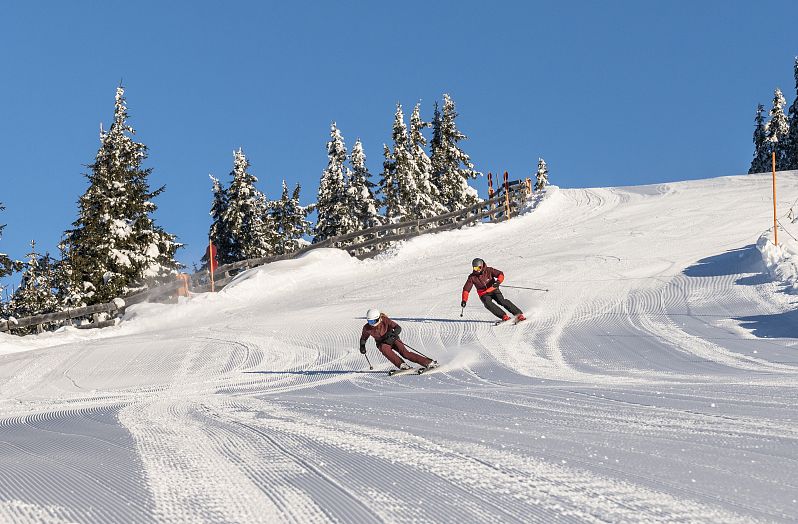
x,y
654,382
782,260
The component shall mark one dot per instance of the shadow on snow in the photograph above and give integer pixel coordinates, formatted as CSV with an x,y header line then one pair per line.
x,y
422,320
733,262
778,325
314,372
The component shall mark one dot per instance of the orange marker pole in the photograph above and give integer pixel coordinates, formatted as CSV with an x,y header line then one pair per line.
x,y
775,222
210,264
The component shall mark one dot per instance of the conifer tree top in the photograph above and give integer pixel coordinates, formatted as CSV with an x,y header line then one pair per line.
x,y
777,127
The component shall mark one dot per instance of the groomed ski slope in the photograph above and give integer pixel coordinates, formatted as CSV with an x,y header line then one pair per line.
x,y
656,381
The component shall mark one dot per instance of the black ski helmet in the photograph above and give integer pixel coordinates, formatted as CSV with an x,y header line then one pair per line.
x,y
477,263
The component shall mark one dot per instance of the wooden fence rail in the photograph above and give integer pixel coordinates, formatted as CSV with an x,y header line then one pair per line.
x,y
115,305
376,240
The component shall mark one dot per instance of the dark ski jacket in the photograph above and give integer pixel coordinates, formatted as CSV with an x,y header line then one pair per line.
x,y
380,330
485,281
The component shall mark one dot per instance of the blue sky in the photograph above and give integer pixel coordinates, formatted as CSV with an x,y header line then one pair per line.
x,y
609,93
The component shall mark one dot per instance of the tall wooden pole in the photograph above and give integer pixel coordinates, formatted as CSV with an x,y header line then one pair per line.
x,y
506,195
775,222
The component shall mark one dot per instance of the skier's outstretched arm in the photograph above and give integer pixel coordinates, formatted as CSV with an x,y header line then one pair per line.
x,y
466,289
363,338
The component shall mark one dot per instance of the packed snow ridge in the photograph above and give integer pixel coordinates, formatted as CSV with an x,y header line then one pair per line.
x,y
655,380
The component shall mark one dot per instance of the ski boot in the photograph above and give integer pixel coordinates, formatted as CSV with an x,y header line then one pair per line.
x,y
504,319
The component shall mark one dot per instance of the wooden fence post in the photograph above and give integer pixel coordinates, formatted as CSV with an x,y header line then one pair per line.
x,y
506,195
491,192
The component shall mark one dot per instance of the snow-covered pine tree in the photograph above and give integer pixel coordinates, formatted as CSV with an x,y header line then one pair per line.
x,y
6,266
398,181
428,200
777,129
791,141
761,161
68,292
35,294
219,233
115,247
290,221
245,217
542,175
388,186
451,167
333,216
360,190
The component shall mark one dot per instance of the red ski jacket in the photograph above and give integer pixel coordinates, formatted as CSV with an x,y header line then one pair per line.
x,y
485,281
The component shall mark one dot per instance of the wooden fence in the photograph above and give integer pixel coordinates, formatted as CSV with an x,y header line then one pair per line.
x,y
502,204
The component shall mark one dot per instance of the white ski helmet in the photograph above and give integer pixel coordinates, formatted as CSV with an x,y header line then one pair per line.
x,y
373,316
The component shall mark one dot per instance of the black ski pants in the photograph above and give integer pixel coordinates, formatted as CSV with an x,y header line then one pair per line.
x,y
495,297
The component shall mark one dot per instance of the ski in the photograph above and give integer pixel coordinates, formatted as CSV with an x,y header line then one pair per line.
x,y
408,371
421,371
512,321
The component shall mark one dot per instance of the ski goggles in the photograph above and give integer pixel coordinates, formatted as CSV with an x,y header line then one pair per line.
x,y
372,321
477,268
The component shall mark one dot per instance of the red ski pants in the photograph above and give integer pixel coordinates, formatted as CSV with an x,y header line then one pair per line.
x,y
399,347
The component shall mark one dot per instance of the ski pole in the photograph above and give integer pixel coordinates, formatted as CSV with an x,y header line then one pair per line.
x,y
411,348
369,361
461,311
530,288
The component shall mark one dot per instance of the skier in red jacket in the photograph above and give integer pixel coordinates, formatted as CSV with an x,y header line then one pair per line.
x,y
386,334
487,280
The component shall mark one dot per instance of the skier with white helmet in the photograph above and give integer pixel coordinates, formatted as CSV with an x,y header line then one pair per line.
x,y
386,334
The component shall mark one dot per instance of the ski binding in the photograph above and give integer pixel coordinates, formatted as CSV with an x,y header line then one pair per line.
x,y
408,371
421,371
512,320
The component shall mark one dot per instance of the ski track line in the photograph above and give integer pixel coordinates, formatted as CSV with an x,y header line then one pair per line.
x,y
578,418
656,418
416,486
339,503
559,491
19,511
107,480
673,336
266,465
189,479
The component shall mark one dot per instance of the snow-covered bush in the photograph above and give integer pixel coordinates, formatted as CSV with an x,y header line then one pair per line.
x,y
781,261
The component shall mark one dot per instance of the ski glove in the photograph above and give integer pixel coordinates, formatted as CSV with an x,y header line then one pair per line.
x,y
463,303
363,348
390,337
